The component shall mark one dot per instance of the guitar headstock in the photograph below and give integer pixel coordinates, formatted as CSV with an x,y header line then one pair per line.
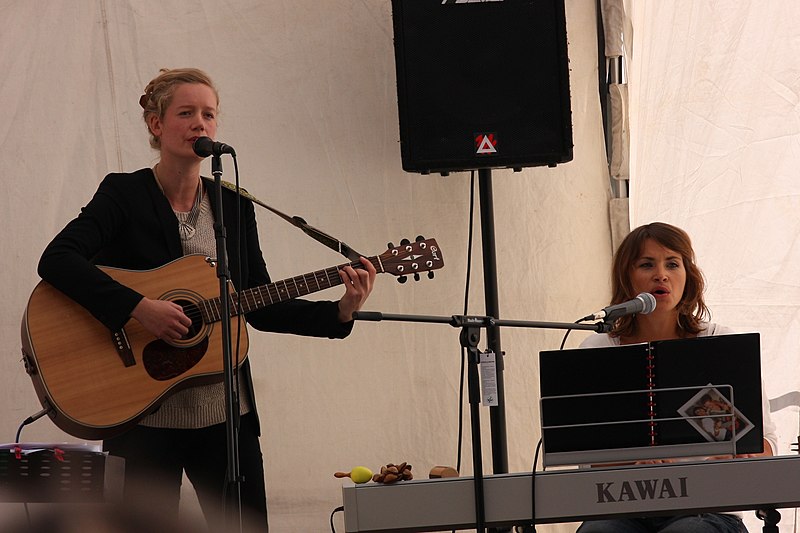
x,y
411,258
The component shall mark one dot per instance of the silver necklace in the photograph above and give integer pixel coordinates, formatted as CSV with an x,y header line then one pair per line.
x,y
187,228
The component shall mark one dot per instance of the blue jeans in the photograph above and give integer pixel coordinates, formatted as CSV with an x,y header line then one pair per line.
x,y
703,523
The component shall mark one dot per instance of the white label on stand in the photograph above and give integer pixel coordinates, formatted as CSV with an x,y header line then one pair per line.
x,y
488,379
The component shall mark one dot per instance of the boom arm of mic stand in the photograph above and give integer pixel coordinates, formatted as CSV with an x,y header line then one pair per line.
x,y
459,321
331,242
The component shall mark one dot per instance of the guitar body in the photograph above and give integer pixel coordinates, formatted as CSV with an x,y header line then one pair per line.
x,y
94,389
96,383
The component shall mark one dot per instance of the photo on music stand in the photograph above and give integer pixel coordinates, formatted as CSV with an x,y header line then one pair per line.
x,y
709,412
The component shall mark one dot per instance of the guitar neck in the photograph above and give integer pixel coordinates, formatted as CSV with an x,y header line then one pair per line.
x,y
280,291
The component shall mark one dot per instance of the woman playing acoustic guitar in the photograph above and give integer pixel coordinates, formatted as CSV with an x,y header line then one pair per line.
x,y
142,221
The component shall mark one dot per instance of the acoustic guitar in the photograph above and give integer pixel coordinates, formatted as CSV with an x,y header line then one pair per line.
x,y
96,383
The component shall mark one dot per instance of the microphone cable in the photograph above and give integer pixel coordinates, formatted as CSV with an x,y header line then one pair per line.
x,y
532,525
464,355
31,419
337,510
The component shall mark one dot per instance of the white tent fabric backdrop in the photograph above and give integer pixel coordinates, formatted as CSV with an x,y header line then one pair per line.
x,y
715,129
309,101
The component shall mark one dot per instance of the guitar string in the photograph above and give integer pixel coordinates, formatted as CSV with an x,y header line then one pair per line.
x,y
254,296
194,313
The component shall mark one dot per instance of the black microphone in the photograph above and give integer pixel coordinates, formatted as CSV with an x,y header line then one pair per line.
x,y
205,147
643,304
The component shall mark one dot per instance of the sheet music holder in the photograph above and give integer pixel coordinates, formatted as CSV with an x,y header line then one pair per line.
x,y
672,398
42,472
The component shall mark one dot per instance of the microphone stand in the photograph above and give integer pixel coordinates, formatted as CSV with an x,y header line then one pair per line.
x,y
233,478
469,338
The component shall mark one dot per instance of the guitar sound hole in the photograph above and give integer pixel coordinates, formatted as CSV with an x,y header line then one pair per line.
x,y
191,310
163,362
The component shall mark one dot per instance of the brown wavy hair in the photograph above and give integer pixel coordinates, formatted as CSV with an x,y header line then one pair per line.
x,y
159,92
692,310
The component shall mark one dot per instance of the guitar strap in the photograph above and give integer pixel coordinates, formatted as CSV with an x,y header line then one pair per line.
x,y
331,242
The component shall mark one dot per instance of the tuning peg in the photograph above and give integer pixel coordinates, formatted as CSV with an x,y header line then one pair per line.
x,y
430,274
390,245
416,276
404,242
419,238
401,279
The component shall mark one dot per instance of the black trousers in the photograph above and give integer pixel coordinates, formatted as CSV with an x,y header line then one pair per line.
x,y
156,458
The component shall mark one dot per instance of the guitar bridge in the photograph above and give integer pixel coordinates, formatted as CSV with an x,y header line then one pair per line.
x,y
123,347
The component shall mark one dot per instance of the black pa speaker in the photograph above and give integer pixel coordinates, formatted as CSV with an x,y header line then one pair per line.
x,y
482,84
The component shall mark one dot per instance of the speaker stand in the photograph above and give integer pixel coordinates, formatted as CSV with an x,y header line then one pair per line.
x,y
497,414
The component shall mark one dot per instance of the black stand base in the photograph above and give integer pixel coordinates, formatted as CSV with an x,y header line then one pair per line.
x,y
771,517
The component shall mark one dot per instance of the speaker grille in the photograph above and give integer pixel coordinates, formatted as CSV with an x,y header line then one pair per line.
x,y
468,70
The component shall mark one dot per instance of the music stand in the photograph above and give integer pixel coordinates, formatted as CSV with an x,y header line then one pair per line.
x,y
651,400
46,473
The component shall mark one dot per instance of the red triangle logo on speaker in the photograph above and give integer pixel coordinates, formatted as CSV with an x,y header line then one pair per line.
x,y
485,144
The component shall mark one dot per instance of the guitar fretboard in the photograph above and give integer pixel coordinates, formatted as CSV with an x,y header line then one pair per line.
x,y
280,291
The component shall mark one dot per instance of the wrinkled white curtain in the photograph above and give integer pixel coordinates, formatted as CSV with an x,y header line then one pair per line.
x,y
308,95
715,122
617,36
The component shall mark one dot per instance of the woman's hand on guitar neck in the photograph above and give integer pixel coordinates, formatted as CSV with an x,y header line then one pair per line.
x,y
165,320
358,284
